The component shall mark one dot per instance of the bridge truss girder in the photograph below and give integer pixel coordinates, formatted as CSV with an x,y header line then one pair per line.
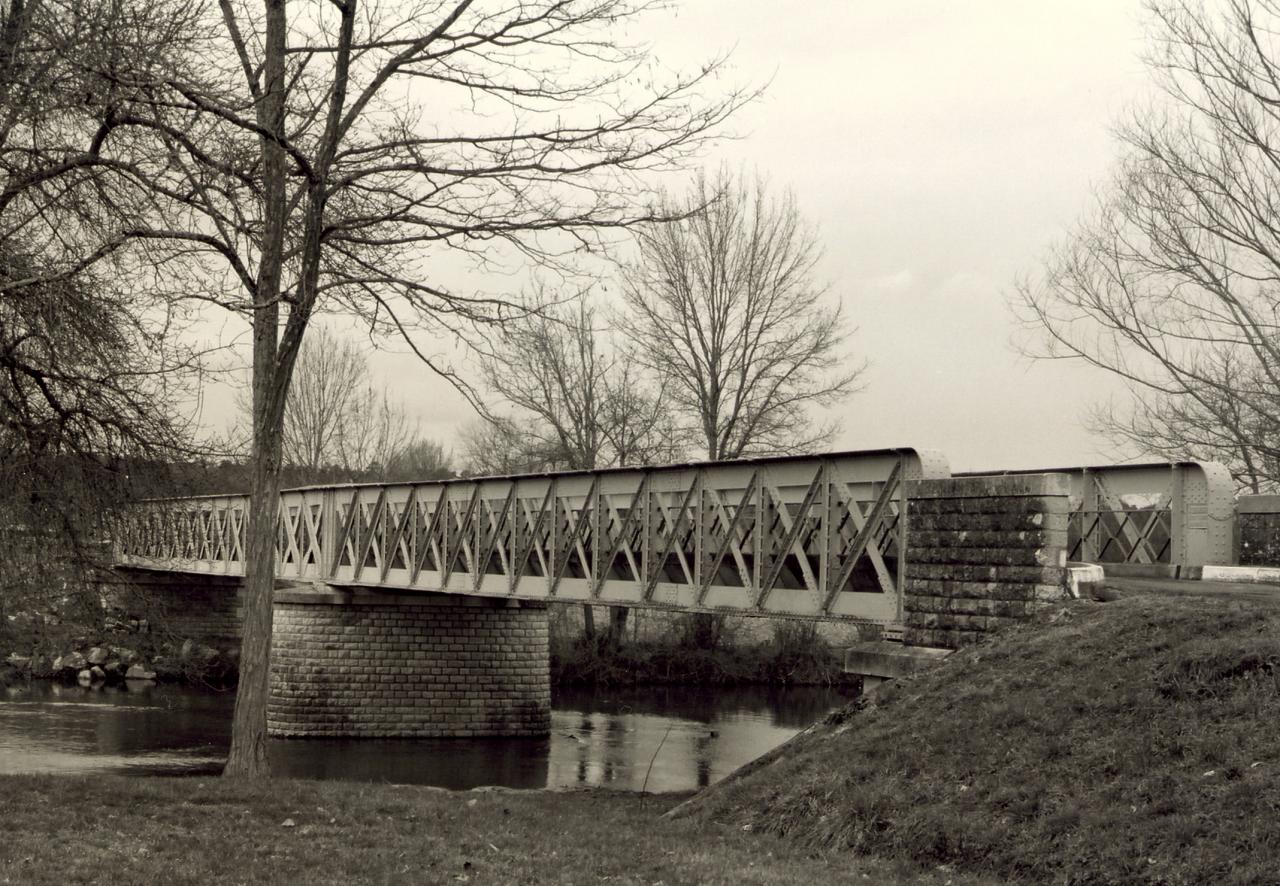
x,y
818,536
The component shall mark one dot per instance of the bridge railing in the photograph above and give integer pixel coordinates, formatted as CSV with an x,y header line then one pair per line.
x,y
812,536
1150,517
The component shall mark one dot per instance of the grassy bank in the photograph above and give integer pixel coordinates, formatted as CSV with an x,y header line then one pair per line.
x,y
62,829
1127,742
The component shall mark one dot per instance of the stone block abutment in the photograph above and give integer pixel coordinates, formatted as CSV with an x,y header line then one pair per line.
x,y
206,608
982,552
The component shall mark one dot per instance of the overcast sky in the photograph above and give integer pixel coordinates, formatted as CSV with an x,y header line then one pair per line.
x,y
940,148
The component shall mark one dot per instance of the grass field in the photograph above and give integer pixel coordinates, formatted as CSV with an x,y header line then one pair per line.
x,y
63,830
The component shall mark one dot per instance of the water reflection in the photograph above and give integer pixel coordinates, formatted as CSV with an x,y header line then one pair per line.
x,y
673,738
652,738
144,728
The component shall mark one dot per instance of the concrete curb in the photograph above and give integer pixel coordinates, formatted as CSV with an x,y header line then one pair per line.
x,y
1082,576
1260,574
879,660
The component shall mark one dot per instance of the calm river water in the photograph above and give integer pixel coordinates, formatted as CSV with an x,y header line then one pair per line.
x,y
656,738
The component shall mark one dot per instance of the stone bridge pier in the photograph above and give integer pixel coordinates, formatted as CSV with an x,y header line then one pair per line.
x,y
374,664
364,663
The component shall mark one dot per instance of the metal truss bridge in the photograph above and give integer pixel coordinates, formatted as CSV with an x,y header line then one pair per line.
x,y
807,536
816,536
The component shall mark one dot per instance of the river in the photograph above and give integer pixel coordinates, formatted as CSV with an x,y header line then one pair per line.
x,y
649,738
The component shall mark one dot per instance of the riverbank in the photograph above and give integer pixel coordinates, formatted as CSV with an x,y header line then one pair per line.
x,y
65,829
658,648
103,659
102,643
1122,742
661,648
658,664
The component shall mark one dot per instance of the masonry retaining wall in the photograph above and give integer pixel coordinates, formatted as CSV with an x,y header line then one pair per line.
x,y
205,608
982,552
408,665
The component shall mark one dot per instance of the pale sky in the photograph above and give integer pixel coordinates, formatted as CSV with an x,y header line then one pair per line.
x,y
941,148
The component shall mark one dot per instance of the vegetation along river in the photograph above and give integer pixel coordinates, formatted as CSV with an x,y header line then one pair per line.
x,y
651,738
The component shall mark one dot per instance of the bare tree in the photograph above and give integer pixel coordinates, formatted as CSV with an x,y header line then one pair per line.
x,y
337,421
88,363
63,194
580,405
374,430
88,370
331,373
495,446
724,301
80,402
420,459
323,158
635,419
1171,283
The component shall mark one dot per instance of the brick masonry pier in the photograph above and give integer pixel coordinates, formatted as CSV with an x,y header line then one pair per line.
x,y
371,664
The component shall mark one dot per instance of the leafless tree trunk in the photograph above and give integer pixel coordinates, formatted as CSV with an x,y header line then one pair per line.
x,y
271,370
1171,283
295,165
725,303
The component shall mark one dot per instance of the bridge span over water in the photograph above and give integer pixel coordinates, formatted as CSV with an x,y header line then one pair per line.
x,y
419,608
818,536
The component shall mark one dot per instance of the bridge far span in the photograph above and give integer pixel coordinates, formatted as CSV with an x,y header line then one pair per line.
x,y
816,536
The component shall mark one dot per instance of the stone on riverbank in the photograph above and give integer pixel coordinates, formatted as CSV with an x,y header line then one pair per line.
x,y
72,661
97,656
125,654
137,672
